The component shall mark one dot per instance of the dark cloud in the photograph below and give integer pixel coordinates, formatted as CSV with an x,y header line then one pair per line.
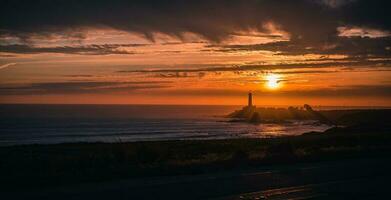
x,y
341,63
311,20
305,72
79,76
78,87
252,73
312,24
84,50
212,19
176,75
353,46
368,13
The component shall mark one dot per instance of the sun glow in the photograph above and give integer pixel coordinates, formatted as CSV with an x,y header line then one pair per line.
x,y
272,81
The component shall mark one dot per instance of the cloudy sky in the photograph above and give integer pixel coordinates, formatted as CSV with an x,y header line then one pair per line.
x,y
288,52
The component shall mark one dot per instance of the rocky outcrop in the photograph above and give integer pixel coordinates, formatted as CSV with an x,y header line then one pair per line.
x,y
253,114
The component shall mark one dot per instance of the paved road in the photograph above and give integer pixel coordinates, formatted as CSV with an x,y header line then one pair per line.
x,y
348,179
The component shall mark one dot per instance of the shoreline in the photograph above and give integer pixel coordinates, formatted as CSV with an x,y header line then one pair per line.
x,y
162,140
26,166
119,142
365,135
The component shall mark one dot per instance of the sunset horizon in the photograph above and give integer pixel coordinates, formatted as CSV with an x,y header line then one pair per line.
x,y
328,55
195,99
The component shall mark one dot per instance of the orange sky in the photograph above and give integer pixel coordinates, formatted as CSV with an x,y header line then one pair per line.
x,y
190,70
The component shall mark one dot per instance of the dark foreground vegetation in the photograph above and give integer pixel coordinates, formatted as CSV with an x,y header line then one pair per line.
x,y
48,165
30,166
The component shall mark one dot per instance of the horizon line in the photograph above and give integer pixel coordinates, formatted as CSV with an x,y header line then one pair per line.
x,y
131,104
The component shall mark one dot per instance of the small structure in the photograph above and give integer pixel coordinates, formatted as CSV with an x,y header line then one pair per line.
x,y
250,99
248,113
250,106
252,115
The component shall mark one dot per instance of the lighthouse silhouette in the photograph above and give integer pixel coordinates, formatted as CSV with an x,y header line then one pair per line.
x,y
250,99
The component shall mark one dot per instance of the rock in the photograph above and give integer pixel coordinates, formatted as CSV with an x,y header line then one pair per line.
x,y
255,118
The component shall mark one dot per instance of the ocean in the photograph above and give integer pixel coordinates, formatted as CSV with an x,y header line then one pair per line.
x,y
50,124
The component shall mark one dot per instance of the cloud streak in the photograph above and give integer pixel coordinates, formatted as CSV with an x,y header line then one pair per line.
x,y
81,50
7,65
342,63
82,87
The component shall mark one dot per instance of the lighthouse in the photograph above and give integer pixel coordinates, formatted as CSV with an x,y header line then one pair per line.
x,y
250,99
250,107
248,113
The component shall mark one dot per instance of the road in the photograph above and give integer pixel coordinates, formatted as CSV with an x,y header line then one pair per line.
x,y
347,179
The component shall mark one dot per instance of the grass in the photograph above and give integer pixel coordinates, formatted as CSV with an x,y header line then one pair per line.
x,y
48,165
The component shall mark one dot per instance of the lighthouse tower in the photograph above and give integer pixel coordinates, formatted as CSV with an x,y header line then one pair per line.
x,y
250,107
250,99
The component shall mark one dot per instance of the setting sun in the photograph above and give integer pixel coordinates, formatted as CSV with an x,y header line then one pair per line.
x,y
272,81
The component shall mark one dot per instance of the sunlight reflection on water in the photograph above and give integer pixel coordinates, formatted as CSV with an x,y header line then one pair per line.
x,y
289,129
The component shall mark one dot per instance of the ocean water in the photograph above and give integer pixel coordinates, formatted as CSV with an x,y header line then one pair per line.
x,y
48,124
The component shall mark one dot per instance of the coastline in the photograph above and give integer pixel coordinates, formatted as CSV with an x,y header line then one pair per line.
x,y
356,151
28,166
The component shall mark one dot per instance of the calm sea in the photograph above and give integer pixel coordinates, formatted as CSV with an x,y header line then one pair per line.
x,y
46,124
